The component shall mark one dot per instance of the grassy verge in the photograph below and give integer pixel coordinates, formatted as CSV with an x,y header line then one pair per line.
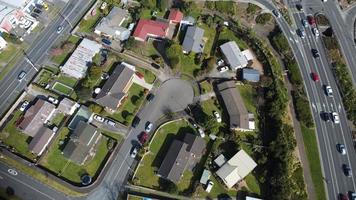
x,y
87,25
115,136
311,147
206,87
148,75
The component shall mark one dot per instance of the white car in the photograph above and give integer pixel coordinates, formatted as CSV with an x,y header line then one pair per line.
x,y
148,127
329,91
217,116
223,69
24,106
134,153
220,62
209,186
324,1
53,100
201,132
335,117
103,5
59,29
316,32
305,23
109,122
276,13
98,118
341,148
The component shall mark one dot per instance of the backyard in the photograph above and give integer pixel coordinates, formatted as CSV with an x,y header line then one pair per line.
x,y
62,89
57,163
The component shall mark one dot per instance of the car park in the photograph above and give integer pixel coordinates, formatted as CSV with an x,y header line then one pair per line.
x,y
328,91
209,186
305,23
217,116
341,148
134,152
315,53
148,127
316,32
21,75
150,97
223,69
315,76
325,116
201,132
99,118
53,100
135,121
347,170
109,122
335,117
143,137
24,106
59,29
276,13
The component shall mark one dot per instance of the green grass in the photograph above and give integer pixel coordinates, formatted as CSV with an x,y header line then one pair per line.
x,y
5,196
209,35
61,58
311,147
9,59
148,75
69,81
44,77
217,189
160,144
11,136
206,87
115,136
128,108
88,25
144,48
209,106
57,119
227,35
252,184
74,39
248,94
61,88
58,164
187,64
8,53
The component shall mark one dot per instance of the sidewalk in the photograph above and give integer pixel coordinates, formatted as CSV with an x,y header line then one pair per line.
x,y
151,192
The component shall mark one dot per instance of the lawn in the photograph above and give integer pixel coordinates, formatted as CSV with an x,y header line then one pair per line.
x,y
74,39
209,106
249,95
57,119
57,163
61,58
312,151
252,184
217,190
209,35
148,75
69,81
44,77
131,104
8,53
187,64
61,88
163,138
8,59
87,25
206,87
227,35
11,136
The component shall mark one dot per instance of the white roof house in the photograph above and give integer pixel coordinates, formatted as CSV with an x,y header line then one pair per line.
x,y
77,65
248,54
237,168
233,55
3,43
220,160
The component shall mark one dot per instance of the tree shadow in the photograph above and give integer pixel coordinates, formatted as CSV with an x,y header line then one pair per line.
x,y
160,46
229,148
163,150
125,114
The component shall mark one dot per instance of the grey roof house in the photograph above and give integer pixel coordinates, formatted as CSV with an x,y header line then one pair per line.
x,y
110,25
116,87
251,75
234,105
233,55
82,143
193,40
180,156
41,140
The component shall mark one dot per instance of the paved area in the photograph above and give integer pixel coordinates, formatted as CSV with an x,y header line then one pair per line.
x,y
141,82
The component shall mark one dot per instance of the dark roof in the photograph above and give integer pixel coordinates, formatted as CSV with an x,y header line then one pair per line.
x,y
113,89
193,40
41,140
178,156
81,141
251,75
35,117
234,105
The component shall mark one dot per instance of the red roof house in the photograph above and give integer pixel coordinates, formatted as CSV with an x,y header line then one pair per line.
x,y
175,16
149,28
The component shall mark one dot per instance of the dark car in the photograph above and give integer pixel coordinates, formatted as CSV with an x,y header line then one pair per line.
x,y
135,121
299,7
106,41
150,97
343,197
21,75
325,116
143,137
347,170
156,66
315,53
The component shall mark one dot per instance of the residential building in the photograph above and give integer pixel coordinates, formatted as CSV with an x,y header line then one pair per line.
x,y
233,56
240,118
193,40
116,87
82,114
41,140
220,160
78,63
3,43
188,20
67,106
150,29
251,75
175,16
236,169
37,115
82,143
111,25
181,155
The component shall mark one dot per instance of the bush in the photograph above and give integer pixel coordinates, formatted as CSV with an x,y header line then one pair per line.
x,y
302,110
252,9
172,55
95,108
263,18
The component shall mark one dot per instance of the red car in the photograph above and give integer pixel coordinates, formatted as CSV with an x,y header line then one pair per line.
x,y
343,197
143,137
315,76
311,20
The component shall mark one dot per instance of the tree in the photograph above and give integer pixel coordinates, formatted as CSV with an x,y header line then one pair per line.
x,y
130,43
252,9
95,108
84,93
263,18
211,125
172,55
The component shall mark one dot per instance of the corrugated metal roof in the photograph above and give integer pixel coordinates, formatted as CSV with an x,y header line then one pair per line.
x,y
251,75
193,40
233,55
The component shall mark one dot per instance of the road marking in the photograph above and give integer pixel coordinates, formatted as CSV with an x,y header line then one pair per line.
x,y
313,105
324,106
332,106
339,108
12,171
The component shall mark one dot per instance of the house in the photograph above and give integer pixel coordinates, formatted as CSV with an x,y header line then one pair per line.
x,y
67,106
41,140
233,56
188,20
251,75
193,40
180,156
175,16
78,63
82,114
111,25
82,143
236,169
3,43
220,160
37,115
235,107
116,87
150,29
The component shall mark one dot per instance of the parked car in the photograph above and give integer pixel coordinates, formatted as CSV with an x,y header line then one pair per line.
x,y
315,53
335,117
24,106
150,97
53,100
106,41
59,29
325,116
104,76
217,116
341,148
315,76
103,5
276,13
143,137
352,195
148,127
305,23
220,62
135,121
201,132
191,121
99,118
328,91
343,197
134,152
209,186
21,75
223,69
316,32
311,20
347,170
109,122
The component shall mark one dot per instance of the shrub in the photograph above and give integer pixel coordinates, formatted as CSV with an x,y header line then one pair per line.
x,y
252,9
263,18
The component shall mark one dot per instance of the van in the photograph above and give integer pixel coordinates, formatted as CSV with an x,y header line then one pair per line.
x,y
209,186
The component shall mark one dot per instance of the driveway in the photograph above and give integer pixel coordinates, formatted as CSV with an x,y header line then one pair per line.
x,y
141,82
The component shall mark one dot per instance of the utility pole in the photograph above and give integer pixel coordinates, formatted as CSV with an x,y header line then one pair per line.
x,y
29,61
